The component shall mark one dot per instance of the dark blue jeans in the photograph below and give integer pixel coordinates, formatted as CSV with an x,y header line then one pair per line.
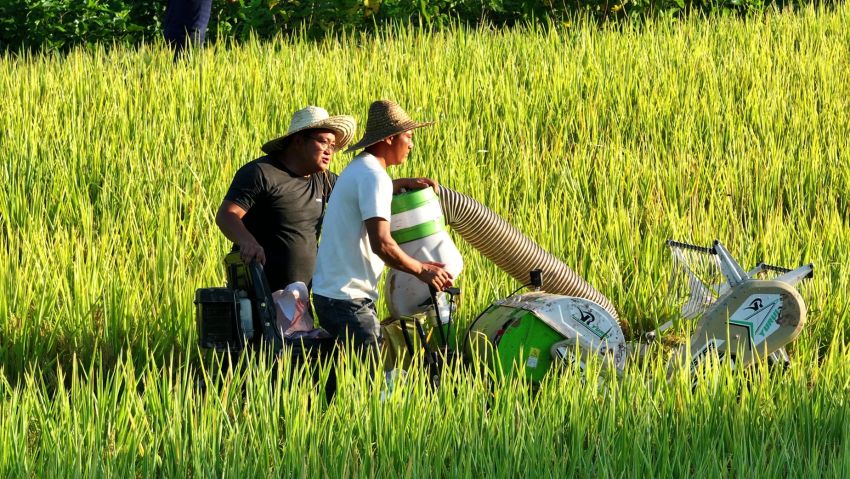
x,y
354,320
186,21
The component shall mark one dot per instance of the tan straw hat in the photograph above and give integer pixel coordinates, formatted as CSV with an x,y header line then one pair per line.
x,y
385,119
314,117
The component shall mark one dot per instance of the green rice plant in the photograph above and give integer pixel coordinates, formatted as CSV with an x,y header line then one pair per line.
x,y
599,143
252,420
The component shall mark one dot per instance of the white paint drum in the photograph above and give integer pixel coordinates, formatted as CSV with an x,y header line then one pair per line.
x,y
418,226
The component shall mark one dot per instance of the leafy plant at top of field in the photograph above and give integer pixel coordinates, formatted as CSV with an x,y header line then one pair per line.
x,y
63,24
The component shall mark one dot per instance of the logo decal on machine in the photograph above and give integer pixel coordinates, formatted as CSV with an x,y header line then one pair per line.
x,y
586,318
759,317
755,304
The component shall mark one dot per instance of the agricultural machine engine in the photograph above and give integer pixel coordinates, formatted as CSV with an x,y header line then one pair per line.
x,y
742,318
234,317
418,226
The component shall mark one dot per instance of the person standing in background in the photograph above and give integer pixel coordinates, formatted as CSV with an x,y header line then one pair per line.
x,y
186,23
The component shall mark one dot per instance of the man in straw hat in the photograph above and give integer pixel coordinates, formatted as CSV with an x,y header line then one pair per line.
x,y
356,243
273,209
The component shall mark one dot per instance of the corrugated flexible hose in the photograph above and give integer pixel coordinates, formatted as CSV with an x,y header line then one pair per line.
x,y
511,250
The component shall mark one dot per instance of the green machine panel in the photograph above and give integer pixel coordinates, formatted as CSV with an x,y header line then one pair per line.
x,y
512,340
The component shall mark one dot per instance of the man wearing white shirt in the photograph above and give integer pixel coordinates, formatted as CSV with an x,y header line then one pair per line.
x,y
356,241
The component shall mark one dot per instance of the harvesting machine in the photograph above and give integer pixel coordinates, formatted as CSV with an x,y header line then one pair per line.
x,y
741,315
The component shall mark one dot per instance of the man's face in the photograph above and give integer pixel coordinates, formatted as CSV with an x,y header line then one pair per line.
x,y
318,147
400,147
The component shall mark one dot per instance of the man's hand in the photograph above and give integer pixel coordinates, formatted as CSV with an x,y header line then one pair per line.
x,y
251,250
414,184
435,276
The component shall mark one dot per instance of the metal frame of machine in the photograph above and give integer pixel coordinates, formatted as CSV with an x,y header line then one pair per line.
x,y
742,319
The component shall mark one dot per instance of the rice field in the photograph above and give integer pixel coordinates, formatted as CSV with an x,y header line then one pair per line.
x,y
598,143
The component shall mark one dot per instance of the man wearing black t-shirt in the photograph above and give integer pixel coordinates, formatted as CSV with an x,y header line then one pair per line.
x,y
273,209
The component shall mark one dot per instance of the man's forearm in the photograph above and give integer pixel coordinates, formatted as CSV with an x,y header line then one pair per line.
x,y
233,228
383,245
393,256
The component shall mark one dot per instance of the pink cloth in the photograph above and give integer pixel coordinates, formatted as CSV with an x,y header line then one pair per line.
x,y
292,306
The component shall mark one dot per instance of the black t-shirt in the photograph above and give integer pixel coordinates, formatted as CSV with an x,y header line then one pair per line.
x,y
284,213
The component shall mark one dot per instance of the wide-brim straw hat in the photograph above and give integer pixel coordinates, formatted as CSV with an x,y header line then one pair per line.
x,y
316,118
385,119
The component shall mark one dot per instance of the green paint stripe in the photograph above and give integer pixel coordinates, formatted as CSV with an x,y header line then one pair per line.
x,y
740,323
413,233
412,200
